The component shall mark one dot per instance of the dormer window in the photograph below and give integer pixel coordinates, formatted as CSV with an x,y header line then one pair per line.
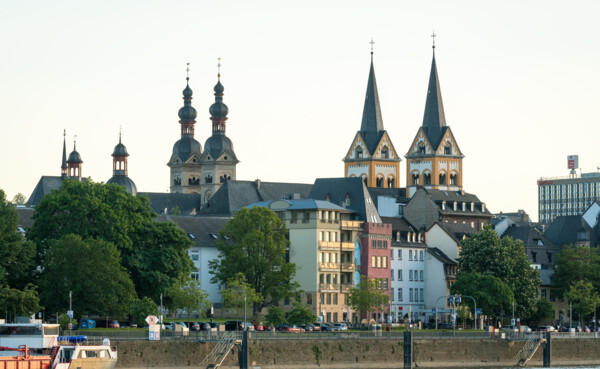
x,y
483,207
421,148
448,149
328,197
347,199
443,205
464,206
385,152
359,152
472,206
455,205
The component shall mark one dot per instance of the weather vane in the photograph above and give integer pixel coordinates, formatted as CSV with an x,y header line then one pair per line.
x,y
433,38
219,68
372,43
187,70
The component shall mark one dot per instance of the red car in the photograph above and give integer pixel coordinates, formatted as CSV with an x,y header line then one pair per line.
x,y
289,328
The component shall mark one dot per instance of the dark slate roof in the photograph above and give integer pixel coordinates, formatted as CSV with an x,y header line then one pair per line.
x,y
45,185
457,230
529,234
398,224
308,204
337,188
563,230
439,196
438,254
124,181
218,144
398,193
202,231
546,276
434,119
518,216
371,127
234,195
186,202
185,147
25,217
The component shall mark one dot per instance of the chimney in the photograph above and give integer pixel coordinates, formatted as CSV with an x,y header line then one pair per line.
x,y
257,182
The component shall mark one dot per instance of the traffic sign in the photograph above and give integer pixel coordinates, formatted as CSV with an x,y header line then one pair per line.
x,y
478,311
451,300
512,322
400,308
151,319
70,325
70,314
433,310
457,299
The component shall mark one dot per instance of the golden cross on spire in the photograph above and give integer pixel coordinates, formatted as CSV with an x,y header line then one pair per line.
x,y
372,43
433,35
187,70
64,133
219,68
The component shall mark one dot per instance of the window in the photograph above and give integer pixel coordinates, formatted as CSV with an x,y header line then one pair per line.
x,y
392,274
392,291
322,298
447,149
410,294
392,255
399,274
384,264
415,179
373,244
399,294
385,152
417,294
464,206
427,178
543,293
328,299
421,275
399,254
195,256
321,278
549,257
443,179
534,256
455,203
552,296
391,182
410,275
335,298
385,284
410,255
421,255
422,297
379,262
421,148
373,262
379,182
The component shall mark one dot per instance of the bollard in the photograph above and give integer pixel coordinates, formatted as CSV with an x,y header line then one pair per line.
x,y
408,350
547,352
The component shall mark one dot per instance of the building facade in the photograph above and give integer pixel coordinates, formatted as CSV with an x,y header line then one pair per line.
x,y
566,196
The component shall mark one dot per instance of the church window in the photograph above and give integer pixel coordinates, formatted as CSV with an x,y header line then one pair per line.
x,y
448,149
379,182
415,179
385,152
359,152
208,179
427,178
421,148
442,178
453,179
207,196
225,158
391,182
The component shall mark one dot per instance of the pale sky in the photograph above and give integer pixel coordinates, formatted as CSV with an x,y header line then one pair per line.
x,y
519,81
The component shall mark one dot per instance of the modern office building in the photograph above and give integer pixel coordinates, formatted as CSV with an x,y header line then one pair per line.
x,y
567,196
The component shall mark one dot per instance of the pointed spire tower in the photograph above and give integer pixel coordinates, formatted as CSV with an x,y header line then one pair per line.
x,y
372,155
434,160
218,160
120,176
74,163
63,167
185,159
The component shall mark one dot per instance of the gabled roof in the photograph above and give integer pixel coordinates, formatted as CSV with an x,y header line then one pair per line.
x,y
308,204
439,196
234,195
434,119
355,188
563,230
45,185
457,231
529,235
398,193
398,224
438,254
203,231
186,202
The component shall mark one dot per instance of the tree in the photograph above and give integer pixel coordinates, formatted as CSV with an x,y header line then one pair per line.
x,y
188,297
368,296
573,264
543,312
142,308
92,271
254,243
584,296
301,314
486,253
19,199
19,303
493,296
275,316
153,253
236,290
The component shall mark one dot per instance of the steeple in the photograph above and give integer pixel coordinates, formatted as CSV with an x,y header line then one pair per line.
x,y
120,177
187,113
63,167
74,163
372,122
218,110
434,118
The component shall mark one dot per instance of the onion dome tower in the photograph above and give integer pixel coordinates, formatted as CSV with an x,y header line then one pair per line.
x,y
434,160
74,163
186,170
372,155
120,169
218,160
63,167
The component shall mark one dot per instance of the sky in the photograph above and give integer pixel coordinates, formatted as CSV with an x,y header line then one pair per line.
x,y
519,81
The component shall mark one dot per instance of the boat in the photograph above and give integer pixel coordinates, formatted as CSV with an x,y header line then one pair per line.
x,y
65,356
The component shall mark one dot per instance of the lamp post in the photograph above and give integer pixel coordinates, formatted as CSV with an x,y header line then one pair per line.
x,y
245,312
570,315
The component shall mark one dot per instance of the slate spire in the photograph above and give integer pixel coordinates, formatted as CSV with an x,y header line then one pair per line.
x,y
63,167
434,119
372,122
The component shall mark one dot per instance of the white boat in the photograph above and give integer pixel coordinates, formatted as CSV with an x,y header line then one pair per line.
x,y
62,357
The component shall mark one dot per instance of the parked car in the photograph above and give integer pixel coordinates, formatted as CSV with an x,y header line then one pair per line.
x,y
237,325
316,327
445,326
87,323
204,326
340,326
172,326
194,326
327,327
127,325
306,327
290,328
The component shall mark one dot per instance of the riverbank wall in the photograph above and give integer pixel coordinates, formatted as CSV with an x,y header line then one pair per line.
x,y
362,353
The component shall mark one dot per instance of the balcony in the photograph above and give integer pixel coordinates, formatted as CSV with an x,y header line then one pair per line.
x,y
348,267
329,245
323,287
348,246
347,287
329,267
352,225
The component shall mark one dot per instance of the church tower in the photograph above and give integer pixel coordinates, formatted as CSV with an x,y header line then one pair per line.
x,y
120,176
372,155
74,164
434,160
63,167
218,160
185,160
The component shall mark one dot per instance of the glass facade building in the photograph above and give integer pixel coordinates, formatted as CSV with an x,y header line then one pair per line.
x,y
566,195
